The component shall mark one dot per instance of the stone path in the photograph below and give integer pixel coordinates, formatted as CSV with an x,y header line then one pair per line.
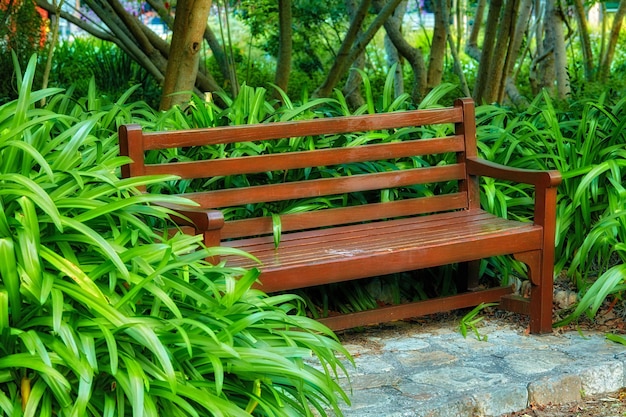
x,y
412,371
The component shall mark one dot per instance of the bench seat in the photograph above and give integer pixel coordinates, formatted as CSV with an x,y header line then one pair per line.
x,y
383,247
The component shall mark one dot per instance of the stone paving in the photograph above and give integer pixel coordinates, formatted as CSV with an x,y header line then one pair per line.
x,y
435,372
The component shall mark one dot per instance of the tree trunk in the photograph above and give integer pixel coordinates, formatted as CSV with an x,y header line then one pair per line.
x,y
137,40
352,88
585,40
393,56
414,57
52,45
283,64
471,48
487,51
508,86
607,58
458,67
438,47
182,66
521,27
353,44
557,42
460,24
209,36
542,69
340,65
123,37
501,50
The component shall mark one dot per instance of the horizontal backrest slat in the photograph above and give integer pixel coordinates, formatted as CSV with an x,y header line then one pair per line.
x,y
304,159
344,215
327,186
328,126
322,172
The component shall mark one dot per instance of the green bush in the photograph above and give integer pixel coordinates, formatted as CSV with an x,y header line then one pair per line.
x,y
100,315
585,142
21,34
78,61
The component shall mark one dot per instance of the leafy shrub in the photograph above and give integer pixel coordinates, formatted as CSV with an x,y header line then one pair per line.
x,y
99,315
78,61
21,34
585,142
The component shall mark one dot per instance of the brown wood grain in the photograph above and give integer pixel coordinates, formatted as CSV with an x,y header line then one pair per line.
x,y
376,237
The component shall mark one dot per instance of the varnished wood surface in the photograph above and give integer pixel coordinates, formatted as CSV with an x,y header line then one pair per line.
x,y
374,238
356,251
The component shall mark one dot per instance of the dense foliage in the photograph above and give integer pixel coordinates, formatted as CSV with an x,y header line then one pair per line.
x,y
101,316
584,140
22,32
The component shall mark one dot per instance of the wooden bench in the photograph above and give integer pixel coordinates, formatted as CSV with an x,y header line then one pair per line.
x,y
432,225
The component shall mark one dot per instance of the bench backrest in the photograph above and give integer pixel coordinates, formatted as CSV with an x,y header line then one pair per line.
x,y
367,165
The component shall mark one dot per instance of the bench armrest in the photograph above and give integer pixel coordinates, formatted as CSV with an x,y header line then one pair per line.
x,y
540,179
202,220
545,183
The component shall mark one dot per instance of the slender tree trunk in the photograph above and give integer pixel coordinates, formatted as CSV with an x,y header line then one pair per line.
x,y
123,37
471,48
53,43
486,54
543,68
585,40
603,27
353,45
460,23
607,58
501,49
182,67
283,64
219,55
340,65
438,47
393,56
352,88
457,66
414,57
513,46
521,27
555,14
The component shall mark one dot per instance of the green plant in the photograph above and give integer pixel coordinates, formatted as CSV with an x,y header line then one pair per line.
x,y
79,60
101,315
22,33
470,320
585,143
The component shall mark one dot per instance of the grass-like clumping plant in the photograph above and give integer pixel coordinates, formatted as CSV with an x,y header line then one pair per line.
x,y
102,316
586,142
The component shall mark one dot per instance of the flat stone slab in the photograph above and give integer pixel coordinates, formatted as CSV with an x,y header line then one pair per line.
x,y
410,370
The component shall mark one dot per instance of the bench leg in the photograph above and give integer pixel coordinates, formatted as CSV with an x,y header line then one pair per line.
x,y
469,272
211,240
467,276
541,279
